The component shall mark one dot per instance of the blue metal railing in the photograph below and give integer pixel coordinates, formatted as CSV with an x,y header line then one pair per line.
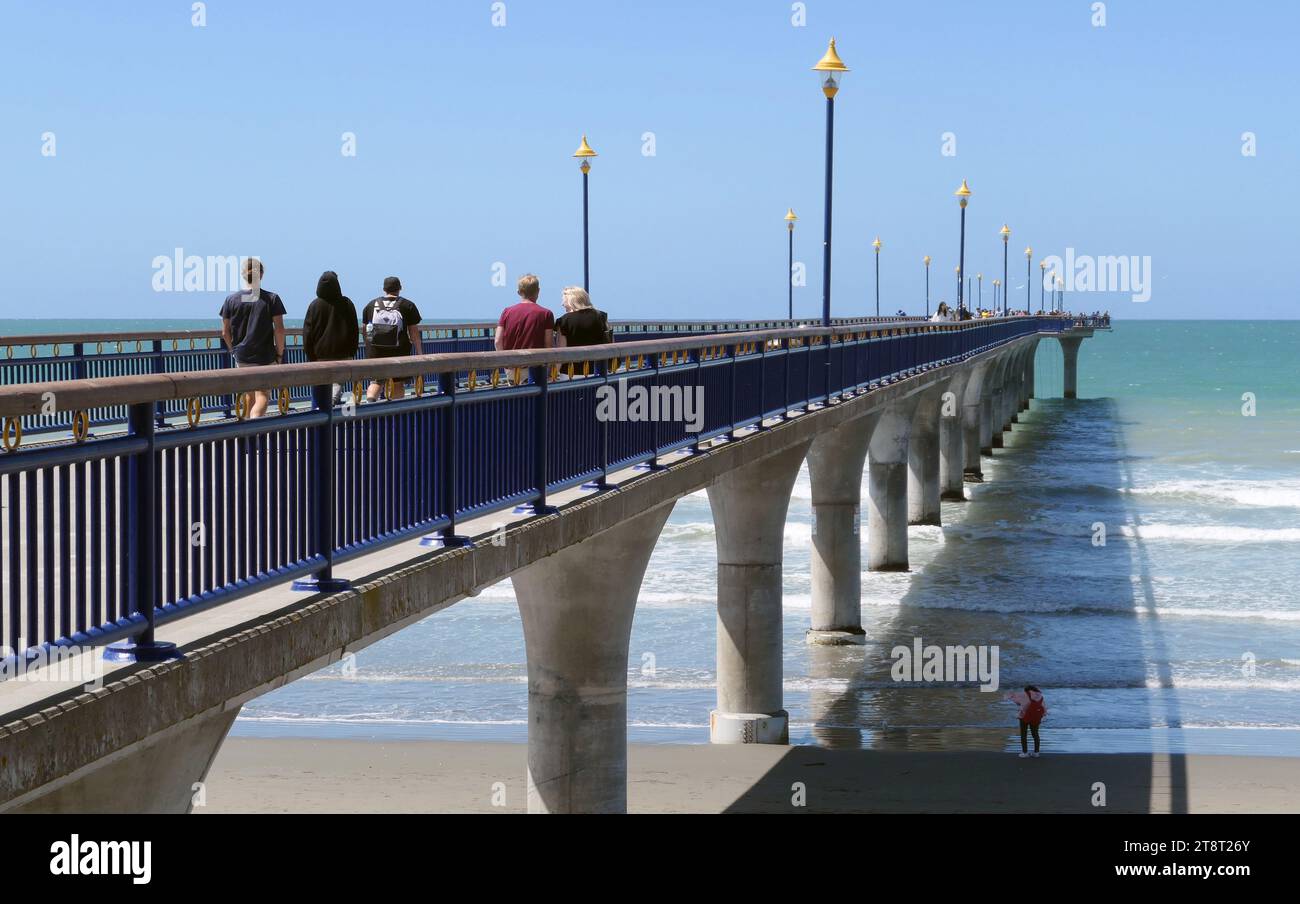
x,y
103,539
51,358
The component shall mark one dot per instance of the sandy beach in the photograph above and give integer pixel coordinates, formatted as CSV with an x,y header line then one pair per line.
x,y
345,776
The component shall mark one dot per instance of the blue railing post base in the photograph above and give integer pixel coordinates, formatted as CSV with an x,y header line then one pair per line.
x,y
322,585
652,465
130,651
446,541
539,511
600,486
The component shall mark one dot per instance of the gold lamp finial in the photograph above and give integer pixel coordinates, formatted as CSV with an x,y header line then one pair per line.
x,y
876,244
584,149
926,260
832,69
964,191
1029,252
789,216
1005,233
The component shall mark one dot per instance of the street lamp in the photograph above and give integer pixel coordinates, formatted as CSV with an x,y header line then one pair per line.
x,y
979,283
1060,292
830,72
876,245
789,276
585,154
1006,238
996,285
963,195
926,260
1029,277
1042,284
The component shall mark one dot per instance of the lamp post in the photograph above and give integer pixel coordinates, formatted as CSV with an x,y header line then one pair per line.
x,y
1006,239
1060,293
789,274
1042,284
997,284
979,284
876,245
926,260
963,195
585,154
1029,277
830,72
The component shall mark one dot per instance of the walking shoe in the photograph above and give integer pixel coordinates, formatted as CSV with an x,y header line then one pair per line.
x,y
1034,754
1024,756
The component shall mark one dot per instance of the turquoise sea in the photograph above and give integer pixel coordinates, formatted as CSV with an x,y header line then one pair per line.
x,y
1181,633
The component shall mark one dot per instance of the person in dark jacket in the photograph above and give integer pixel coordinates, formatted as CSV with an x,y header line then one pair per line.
x,y
329,332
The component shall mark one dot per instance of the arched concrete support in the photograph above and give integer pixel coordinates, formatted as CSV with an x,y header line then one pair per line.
x,y
997,404
951,462
749,508
577,608
835,463
1015,386
923,489
1029,375
887,488
972,428
163,776
1070,352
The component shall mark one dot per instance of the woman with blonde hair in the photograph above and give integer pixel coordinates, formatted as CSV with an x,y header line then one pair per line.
x,y
582,324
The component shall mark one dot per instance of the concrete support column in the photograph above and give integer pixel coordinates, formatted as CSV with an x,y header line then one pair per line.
x,y
163,775
577,608
951,463
1070,352
835,463
887,488
986,423
923,489
1029,375
749,508
972,418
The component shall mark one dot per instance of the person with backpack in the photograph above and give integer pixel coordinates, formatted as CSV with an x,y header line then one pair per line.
x,y
392,330
329,332
1033,709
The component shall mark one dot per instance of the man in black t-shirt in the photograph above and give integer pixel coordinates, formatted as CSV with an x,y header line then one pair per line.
x,y
392,330
252,325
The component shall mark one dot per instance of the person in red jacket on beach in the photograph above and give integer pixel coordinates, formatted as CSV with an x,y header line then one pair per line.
x,y
1032,710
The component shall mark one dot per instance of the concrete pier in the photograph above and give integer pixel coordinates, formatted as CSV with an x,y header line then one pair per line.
x,y
835,465
923,481
887,488
1070,352
577,608
749,508
951,463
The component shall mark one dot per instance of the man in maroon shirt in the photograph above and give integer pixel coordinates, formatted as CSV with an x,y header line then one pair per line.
x,y
526,324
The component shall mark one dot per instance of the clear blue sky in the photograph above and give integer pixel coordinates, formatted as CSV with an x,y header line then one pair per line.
x,y
226,140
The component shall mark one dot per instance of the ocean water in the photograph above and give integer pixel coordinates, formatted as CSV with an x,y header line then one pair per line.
x,y
1181,633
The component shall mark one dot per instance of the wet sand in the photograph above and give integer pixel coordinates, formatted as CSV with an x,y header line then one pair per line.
x,y
346,776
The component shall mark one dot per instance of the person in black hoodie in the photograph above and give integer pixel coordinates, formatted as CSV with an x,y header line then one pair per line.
x,y
329,332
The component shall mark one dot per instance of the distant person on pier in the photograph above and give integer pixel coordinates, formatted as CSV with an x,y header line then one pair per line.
x,y
252,325
392,326
943,314
581,324
525,324
329,333
1033,709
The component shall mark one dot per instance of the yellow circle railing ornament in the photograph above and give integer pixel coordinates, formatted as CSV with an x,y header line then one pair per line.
x,y
419,385
80,426
395,385
496,377
56,350
9,351
241,406
193,411
284,399
13,434
358,389
473,380
515,376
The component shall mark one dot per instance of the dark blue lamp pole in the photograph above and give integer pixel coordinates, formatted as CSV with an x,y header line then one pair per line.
x,y
585,154
789,273
1029,277
1042,285
1006,239
876,245
963,195
926,261
830,72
